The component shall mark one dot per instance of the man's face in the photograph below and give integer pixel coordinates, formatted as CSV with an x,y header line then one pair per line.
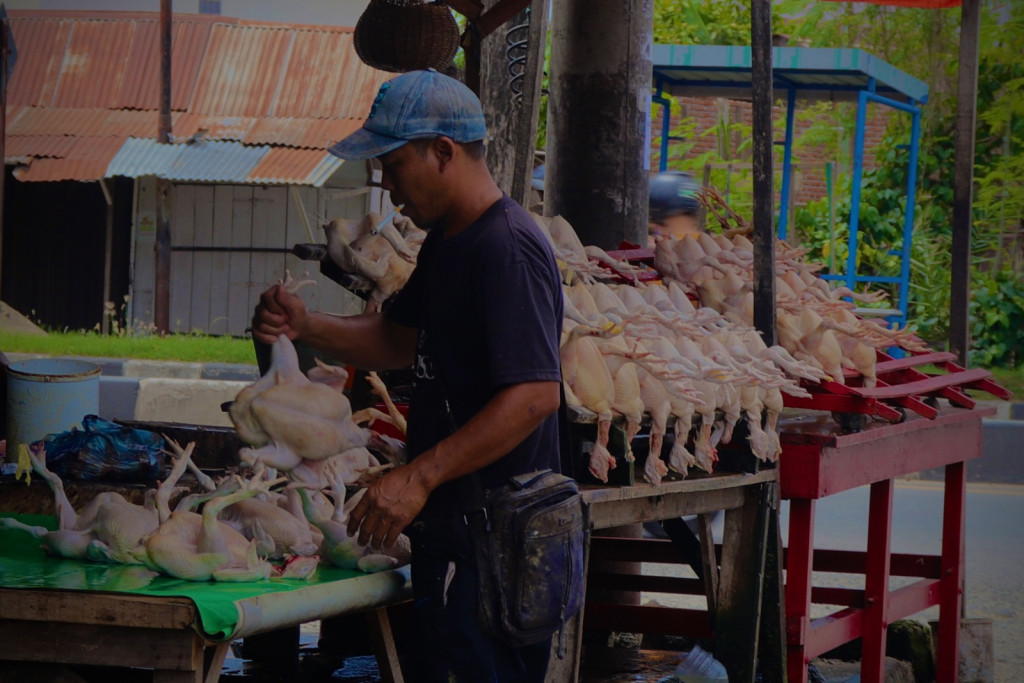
x,y
410,173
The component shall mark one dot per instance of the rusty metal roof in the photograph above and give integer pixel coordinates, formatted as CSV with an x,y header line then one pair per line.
x,y
85,90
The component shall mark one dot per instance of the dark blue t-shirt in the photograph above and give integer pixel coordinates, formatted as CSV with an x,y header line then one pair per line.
x,y
488,306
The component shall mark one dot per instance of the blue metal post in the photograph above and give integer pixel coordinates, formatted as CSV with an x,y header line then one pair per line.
x,y
787,163
858,171
908,220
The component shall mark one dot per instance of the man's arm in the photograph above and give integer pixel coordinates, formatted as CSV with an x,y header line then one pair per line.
x,y
392,502
369,341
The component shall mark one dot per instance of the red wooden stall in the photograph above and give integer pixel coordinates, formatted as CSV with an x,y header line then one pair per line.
x,y
818,460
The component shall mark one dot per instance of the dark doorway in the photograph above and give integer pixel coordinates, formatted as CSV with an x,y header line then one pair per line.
x,y
53,251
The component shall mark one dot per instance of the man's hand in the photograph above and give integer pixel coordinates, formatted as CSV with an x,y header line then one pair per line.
x,y
387,507
279,312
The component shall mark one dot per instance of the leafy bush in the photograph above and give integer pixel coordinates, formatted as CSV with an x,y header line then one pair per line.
x,y
997,321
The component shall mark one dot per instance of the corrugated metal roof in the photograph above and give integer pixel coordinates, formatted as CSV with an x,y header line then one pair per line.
x,y
89,75
210,161
87,159
282,163
55,146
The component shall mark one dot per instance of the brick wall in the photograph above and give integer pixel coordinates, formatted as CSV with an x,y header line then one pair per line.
x,y
808,173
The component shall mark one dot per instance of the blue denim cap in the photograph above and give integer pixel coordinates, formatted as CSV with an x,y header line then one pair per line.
x,y
413,106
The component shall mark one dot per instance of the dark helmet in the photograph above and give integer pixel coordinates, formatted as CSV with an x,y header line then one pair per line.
x,y
672,193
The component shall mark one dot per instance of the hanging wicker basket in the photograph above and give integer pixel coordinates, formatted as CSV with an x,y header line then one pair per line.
x,y
404,35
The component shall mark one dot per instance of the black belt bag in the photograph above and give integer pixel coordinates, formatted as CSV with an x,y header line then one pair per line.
x,y
529,540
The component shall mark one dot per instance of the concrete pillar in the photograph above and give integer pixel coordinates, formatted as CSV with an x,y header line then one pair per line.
x,y
598,160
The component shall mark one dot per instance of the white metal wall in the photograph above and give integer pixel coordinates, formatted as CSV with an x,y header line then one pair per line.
x,y
215,291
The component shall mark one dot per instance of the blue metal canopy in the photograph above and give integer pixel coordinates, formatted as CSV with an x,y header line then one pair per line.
x,y
835,74
812,72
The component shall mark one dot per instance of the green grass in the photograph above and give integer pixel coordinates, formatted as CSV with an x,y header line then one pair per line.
x,y
176,347
211,349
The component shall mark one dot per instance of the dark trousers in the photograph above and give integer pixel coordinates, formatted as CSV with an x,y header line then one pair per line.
x,y
449,645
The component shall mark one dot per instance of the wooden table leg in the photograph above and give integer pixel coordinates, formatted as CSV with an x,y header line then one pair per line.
x,y
214,658
772,645
798,586
737,623
709,560
876,582
950,600
388,664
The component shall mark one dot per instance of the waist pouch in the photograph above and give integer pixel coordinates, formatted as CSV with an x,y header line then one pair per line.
x,y
529,542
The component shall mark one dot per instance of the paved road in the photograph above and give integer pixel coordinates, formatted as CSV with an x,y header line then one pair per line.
x,y
995,551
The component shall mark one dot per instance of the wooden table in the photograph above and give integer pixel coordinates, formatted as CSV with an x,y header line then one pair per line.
x,y
162,633
734,588
817,462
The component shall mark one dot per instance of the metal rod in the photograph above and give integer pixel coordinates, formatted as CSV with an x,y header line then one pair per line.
x,y
963,180
858,173
908,219
108,250
247,250
764,191
164,130
162,246
4,27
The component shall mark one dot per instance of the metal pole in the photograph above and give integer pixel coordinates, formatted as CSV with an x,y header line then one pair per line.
x,y
162,247
787,164
858,178
764,190
108,257
963,180
3,140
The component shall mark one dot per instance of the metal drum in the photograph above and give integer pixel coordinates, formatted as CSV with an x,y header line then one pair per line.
x,y
48,396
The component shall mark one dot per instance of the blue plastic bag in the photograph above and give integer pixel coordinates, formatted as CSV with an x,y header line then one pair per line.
x,y
105,451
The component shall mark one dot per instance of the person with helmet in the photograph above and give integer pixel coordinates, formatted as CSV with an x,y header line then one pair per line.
x,y
673,205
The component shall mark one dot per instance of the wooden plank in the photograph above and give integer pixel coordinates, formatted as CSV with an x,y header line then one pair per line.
x,y
268,217
925,386
603,616
240,304
833,630
644,583
908,448
614,513
143,262
183,214
202,261
37,641
594,494
893,364
220,280
843,404
96,608
914,598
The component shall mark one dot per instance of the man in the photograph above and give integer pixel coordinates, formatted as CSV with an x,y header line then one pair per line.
x,y
673,206
479,320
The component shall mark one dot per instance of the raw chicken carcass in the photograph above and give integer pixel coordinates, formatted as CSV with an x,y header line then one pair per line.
x,y
108,528
356,248
199,547
294,421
